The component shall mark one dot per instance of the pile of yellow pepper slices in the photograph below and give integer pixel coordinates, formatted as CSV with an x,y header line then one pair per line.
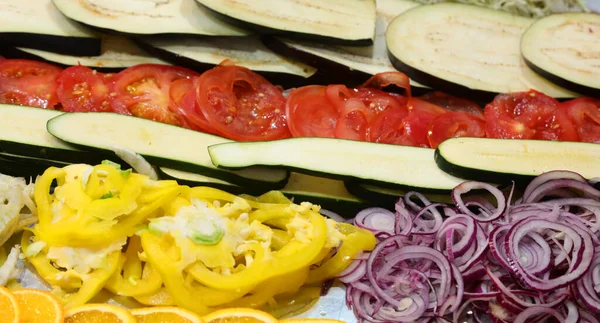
x,y
161,243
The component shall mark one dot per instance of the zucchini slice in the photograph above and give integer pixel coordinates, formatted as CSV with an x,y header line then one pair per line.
x,y
333,21
117,53
505,160
350,65
201,54
389,165
38,24
564,49
465,50
23,132
161,144
147,17
386,196
328,193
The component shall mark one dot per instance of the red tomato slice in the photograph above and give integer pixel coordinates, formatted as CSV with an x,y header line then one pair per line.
x,y
452,103
381,80
527,115
81,89
585,115
310,113
389,128
454,124
358,107
420,116
30,83
191,113
145,91
241,104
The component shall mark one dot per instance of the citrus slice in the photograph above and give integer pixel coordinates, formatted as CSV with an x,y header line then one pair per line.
x,y
9,307
165,314
98,313
38,306
239,315
319,320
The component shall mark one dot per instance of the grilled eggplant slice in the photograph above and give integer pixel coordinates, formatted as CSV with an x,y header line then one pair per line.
x,y
332,21
117,53
351,65
564,49
38,24
203,53
465,50
147,17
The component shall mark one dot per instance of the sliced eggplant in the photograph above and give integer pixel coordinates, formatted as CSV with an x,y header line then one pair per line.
x,y
147,17
465,50
203,53
334,21
117,53
564,49
350,65
38,24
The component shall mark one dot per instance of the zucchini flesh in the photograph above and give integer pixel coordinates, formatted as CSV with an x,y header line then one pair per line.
x,y
328,193
161,144
505,160
23,132
564,49
38,24
389,165
465,50
386,196
117,53
147,17
342,21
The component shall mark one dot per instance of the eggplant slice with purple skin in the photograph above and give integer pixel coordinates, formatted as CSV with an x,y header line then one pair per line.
x,y
465,50
134,17
350,22
38,24
117,54
203,53
350,65
564,49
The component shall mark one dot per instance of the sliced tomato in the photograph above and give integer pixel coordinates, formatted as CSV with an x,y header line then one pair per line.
x,y
389,128
145,91
241,104
31,83
585,115
310,113
454,124
528,115
82,89
191,115
383,80
452,103
358,107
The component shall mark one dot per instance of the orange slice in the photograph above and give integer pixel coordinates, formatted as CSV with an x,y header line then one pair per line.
x,y
239,315
38,306
9,308
98,313
320,320
165,314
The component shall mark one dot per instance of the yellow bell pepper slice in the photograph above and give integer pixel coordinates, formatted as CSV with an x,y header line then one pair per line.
x,y
357,240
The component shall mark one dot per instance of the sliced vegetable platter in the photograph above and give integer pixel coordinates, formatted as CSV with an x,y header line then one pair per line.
x,y
441,129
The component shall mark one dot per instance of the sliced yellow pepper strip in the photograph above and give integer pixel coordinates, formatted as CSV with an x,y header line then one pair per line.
x,y
131,283
356,241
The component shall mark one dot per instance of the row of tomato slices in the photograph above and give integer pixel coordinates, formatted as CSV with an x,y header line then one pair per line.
x,y
236,103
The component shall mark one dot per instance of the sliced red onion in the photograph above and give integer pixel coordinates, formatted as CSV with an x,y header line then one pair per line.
x,y
465,187
376,219
332,215
532,260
